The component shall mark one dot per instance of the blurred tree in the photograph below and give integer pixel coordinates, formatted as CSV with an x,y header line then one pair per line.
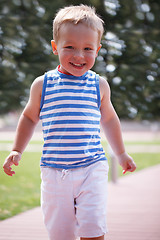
x,y
129,57
25,52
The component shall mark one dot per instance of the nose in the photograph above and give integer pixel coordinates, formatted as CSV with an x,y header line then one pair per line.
x,y
78,54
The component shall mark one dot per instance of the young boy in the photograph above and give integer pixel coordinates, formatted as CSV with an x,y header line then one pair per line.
x,y
71,101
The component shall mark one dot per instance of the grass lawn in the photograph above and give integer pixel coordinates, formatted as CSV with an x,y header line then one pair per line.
x,y
143,160
22,191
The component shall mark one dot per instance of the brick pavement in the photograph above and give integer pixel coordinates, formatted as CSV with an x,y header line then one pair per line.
x,y
134,206
133,211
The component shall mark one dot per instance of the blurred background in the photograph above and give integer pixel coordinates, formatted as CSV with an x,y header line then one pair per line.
x,y
129,58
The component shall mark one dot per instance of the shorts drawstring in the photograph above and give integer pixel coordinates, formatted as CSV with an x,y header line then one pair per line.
x,y
65,172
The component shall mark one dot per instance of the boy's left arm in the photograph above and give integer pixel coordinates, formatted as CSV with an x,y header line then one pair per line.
x,y
112,129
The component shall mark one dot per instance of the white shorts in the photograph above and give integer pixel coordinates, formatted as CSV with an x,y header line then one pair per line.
x,y
74,201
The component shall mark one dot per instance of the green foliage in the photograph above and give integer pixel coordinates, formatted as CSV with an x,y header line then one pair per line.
x,y
25,52
129,57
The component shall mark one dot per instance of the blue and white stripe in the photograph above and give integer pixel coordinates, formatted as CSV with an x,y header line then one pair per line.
x,y
70,114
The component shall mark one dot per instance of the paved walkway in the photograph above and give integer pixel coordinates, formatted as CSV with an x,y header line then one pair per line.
x,y
133,211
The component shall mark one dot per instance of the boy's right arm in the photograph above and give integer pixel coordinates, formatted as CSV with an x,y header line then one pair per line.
x,y
26,125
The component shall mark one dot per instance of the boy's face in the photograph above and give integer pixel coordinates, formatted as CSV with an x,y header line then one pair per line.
x,y
77,48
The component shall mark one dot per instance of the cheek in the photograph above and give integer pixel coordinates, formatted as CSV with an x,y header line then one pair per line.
x,y
64,55
91,57
63,58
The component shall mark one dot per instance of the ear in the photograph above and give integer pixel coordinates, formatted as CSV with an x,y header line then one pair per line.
x,y
98,49
54,47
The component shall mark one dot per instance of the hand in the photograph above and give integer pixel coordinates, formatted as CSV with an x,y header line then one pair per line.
x,y
13,158
126,162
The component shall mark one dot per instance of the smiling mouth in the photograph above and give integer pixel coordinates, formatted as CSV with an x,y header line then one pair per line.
x,y
77,65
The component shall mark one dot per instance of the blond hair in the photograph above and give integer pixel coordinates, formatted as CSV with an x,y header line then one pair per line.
x,y
78,14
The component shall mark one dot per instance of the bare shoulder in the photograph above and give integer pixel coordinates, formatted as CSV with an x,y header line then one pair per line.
x,y
32,108
37,84
104,88
36,91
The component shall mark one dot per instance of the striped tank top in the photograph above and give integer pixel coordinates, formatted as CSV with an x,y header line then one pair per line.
x,y
70,114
